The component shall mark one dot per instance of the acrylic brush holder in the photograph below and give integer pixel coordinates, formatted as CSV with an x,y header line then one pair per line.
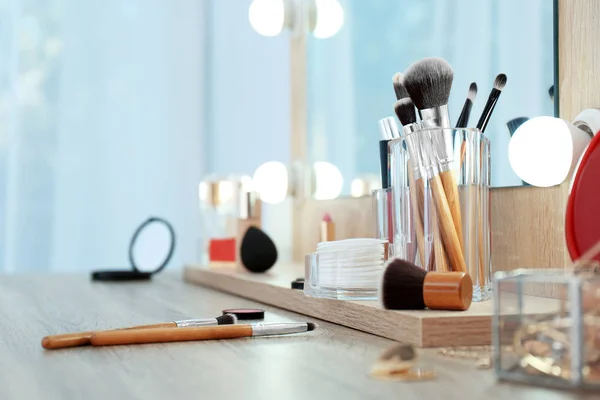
x,y
440,182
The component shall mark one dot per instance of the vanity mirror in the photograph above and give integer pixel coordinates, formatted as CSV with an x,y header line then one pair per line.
x,y
349,76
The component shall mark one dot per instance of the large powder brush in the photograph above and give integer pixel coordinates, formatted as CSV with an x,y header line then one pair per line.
x,y
404,286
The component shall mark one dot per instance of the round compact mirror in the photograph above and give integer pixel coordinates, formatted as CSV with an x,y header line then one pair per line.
x,y
150,250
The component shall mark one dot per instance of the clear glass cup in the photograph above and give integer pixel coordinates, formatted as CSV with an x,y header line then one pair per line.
x,y
441,180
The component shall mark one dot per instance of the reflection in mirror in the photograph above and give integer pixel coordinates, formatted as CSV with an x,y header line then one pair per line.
x,y
350,74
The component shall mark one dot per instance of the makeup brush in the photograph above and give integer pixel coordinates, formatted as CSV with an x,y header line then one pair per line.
x,y
405,111
164,335
399,88
515,123
463,119
83,338
551,92
404,286
499,84
428,82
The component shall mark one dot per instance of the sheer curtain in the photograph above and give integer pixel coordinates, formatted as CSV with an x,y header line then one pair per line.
x,y
101,120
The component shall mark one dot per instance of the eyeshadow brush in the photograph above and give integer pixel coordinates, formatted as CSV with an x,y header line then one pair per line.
x,y
463,119
499,84
83,338
428,82
165,335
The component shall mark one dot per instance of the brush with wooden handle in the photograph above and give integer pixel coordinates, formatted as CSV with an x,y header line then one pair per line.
x,y
165,335
419,148
428,82
405,111
77,339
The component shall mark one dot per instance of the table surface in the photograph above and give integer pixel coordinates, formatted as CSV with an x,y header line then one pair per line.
x,y
331,362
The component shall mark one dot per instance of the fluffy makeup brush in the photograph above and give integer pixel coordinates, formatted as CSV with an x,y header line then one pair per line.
x,y
404,286
84,338
399,88
463,119
551,92
499,84
428,82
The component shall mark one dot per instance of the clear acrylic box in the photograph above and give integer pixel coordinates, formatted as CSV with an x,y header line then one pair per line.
x,y
546,328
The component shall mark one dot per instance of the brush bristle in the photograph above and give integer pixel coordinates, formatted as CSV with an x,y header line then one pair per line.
x,y
500,82
428,82
551,92
405,111
515,123
402,286
472,92
227,319
399,88
310,326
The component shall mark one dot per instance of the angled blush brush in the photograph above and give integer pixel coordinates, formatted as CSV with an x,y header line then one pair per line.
x,y
463,119
165,335
84,338
428,82
499,84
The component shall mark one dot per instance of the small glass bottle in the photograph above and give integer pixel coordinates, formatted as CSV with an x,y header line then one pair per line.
x,y
218,218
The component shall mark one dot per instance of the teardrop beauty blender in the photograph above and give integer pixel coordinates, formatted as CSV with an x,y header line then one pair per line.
x,y
257,251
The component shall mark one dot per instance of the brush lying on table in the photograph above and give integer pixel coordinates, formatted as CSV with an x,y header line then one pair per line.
x,y
164,335
404,286
77,339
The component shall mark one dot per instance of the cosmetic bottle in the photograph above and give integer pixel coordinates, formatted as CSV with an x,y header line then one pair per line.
x,y
218,219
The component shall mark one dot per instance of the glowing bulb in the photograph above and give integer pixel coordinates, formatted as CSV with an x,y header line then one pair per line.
x,y
544,150
330,18
328,181
267,17
270,180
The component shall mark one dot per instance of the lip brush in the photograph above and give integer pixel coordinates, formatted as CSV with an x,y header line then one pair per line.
x,y
83,338
164,335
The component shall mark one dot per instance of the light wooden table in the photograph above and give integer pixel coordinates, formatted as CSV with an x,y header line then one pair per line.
x,y
329,363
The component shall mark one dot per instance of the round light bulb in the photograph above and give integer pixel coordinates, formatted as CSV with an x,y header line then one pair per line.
x,y
330,18
544,150
270,180
267,17
328,181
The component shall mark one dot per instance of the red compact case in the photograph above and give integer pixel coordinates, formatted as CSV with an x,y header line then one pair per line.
x,y
582,222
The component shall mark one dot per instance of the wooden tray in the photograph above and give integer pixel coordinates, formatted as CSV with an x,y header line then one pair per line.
x,y
425,328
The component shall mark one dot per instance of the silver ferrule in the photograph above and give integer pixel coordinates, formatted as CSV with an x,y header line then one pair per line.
x,y
188,323
436,117
388,128
281,328
436,123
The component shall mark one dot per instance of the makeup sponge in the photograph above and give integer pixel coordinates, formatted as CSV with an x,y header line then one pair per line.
x,y
258,252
